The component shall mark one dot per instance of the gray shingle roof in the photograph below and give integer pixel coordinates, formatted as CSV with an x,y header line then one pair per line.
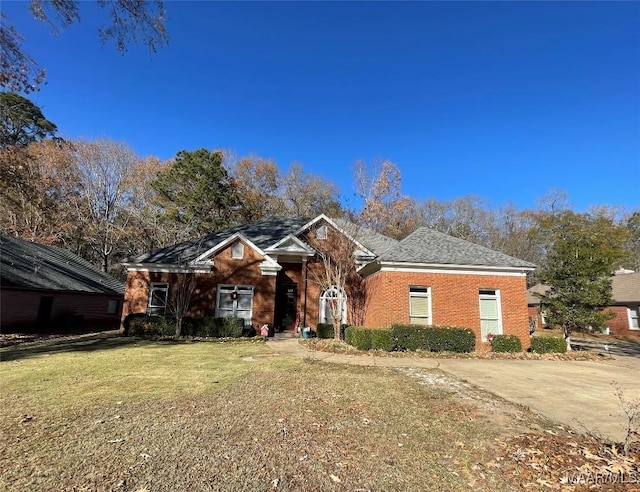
x,y
626,287
28,265
374,241
433,247
263,233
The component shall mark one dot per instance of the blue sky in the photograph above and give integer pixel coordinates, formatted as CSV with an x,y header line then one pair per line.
x,y
500,100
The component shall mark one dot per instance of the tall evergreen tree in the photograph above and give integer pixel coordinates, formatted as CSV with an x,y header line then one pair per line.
x,y
583,250
196,193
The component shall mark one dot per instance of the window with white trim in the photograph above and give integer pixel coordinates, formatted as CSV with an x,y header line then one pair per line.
x,y
321,232
634,317
490,313
420,305
235,301
237,251
333,301
543,317
158,293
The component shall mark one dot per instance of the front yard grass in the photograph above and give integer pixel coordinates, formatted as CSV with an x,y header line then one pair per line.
x,y
233,416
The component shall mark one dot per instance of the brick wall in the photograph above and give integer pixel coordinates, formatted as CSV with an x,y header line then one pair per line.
x,y
618,325
454,300
227,270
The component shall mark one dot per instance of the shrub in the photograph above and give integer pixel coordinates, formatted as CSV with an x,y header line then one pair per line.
x,y
548,344
325,330
230,327
506,343
358,337
433,338
145,326
381,339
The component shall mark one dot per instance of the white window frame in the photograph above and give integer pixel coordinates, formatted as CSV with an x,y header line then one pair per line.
x,y
630,309
321,232
158,309
543,317
238,290
237,251
484,295
324,298
420,291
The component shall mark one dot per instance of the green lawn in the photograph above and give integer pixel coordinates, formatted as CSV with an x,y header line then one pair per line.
x,y
133,416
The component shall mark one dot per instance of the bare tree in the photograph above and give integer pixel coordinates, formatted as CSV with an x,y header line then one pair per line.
x,y
182,285
130,21
334,268
106,188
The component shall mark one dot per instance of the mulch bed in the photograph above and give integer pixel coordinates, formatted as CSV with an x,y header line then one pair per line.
x,y
333,346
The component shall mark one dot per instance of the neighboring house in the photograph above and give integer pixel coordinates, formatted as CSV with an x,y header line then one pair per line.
x,y
267,271
626,303
46,288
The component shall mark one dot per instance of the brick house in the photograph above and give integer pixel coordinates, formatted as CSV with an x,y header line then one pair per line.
x,y
268,271
625,286
46,288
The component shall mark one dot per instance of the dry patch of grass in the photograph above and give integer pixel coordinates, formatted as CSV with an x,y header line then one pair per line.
x,y
202,416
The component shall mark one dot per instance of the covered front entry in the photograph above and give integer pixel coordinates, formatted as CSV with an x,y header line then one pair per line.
x,y
286,306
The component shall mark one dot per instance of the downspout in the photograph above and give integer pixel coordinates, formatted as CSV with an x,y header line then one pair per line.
x,y
304,309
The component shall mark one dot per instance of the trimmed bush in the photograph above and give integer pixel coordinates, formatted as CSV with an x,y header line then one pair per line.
x,y
145,326
506,343
548,344
358,337
325,330
381,339
151,326
433,338
230,327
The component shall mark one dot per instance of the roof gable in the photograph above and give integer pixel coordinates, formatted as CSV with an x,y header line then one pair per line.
x,y
28,265
290,245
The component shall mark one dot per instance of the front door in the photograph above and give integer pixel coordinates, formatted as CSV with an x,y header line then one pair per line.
x,y
286,306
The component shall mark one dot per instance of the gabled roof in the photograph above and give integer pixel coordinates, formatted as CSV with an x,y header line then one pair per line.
x,y
290,244
432,247
424,246
28,265
625,289
263,233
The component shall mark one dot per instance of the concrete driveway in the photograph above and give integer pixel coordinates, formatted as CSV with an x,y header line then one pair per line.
x,y
578,394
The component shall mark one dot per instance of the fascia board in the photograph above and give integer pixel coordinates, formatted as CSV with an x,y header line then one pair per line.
x,y
223,244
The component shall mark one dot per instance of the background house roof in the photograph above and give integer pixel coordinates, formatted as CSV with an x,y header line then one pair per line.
x,y
433,247
27,265
625,289
532,298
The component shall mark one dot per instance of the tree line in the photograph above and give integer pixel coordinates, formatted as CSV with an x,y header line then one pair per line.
x,y
104,202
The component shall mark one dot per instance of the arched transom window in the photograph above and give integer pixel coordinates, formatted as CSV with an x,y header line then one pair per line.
x,y
333,300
